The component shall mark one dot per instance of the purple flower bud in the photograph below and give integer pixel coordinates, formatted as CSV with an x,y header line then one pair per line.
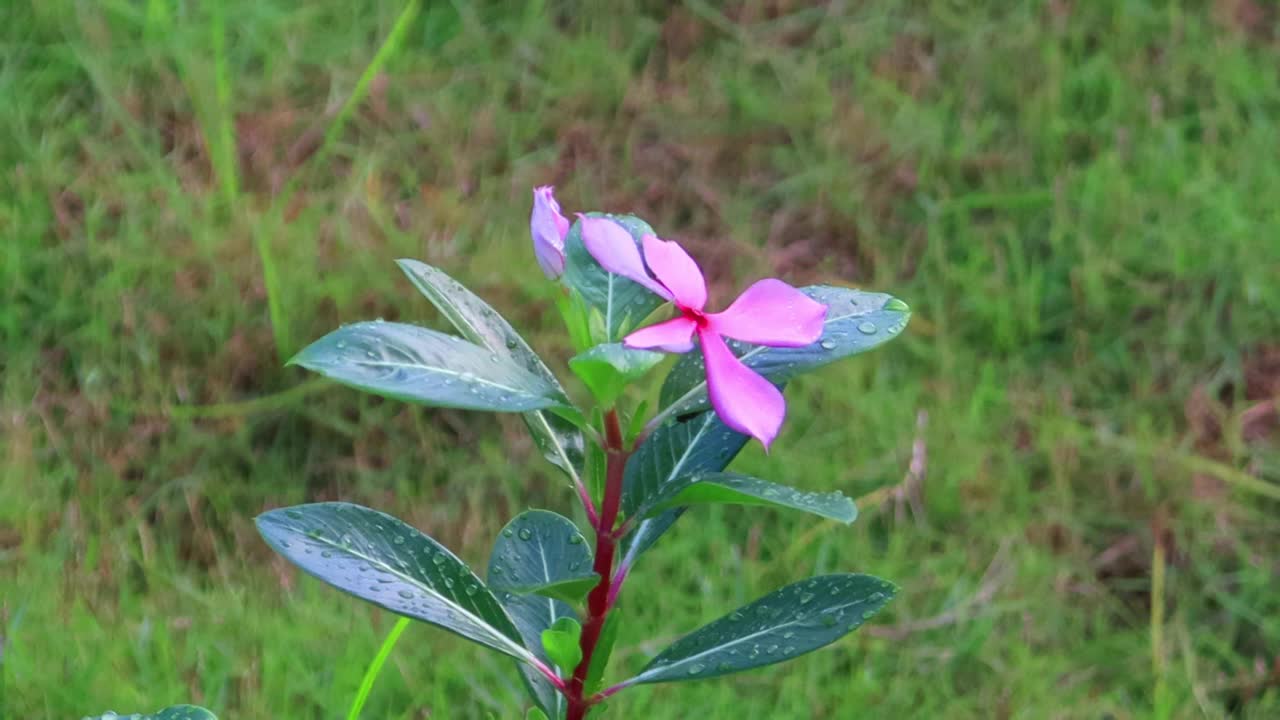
x,y
548,227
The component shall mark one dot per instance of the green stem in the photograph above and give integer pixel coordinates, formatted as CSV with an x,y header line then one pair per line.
x,y
375,668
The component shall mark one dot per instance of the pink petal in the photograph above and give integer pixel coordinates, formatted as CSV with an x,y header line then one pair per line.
x,y
771,313
676,270
616,251
744,400
548,227
674,335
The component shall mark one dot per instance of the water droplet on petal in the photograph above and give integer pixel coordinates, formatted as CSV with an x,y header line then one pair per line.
x,y
525,533
867,327
828,344
406,594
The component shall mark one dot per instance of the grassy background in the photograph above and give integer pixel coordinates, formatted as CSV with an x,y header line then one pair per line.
x,y
1079,200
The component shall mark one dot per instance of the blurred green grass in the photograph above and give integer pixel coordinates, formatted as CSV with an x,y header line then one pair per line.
x,y
1077,199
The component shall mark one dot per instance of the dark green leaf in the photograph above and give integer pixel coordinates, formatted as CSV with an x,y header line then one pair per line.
x,y
619,302
856,321
544,553
608,369
382,560
514,564
734,489
797,619
420,365
600,656
560,641
557,438
702,444
177,712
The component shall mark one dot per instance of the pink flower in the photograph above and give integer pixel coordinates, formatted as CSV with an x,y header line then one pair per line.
x,y
770,312
549,228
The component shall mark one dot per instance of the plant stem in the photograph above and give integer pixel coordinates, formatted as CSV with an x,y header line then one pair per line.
x,y
601,598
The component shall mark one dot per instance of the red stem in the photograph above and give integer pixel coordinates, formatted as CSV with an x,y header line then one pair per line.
x,y
601,598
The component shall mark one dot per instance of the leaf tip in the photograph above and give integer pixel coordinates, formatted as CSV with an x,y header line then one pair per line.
x,y
895,305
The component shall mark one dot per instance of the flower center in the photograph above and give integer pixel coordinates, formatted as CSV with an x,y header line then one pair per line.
x,y
697,316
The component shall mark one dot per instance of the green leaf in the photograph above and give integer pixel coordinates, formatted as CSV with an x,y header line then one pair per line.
x,y
177,712
559,441
735,489
608,369
600,656
420,365
544,553
794,620
515,565
535,714
561,642
676,450
619,302
856,321
382,560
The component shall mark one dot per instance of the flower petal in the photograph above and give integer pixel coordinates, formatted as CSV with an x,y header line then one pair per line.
x,y
548,227
616,251
674,336
744,400
772,313
676,270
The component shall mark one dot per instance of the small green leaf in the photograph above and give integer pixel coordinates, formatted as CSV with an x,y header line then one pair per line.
x,y
177,712
557,438
544,553
608,369
382,560
734,489
535,714
856,322
561,643
794,620
600,656
619,303
420,365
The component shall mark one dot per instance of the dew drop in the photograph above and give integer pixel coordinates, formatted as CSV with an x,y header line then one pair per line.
x,y
525,533
828,344
806,598
507,532
448,582
406,594
867,327
438,559
829,620
696,668
575,539
342,344
398,540
326,554
867,614
472,589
